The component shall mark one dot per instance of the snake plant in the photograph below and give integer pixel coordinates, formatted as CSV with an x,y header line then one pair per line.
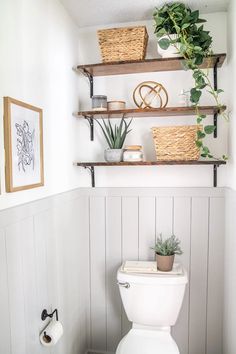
x,y
115,135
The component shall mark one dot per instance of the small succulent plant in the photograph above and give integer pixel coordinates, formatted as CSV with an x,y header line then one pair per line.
x,y
167,247
115,136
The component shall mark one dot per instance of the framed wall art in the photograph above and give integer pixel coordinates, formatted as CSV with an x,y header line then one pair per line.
x,y
23,137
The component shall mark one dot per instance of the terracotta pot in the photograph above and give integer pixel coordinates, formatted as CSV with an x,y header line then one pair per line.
x,y
165,263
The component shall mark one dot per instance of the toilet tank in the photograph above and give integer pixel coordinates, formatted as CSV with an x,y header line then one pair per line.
x,y
152,299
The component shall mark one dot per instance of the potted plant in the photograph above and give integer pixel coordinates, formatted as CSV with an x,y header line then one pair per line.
x,y
166,251
192,43
115,137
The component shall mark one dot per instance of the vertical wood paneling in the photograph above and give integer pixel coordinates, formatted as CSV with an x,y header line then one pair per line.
x,y
98,276
42,231
198,276
5,337
164,216
29,285
215,277
67,257
19,338
113,261
130,240
82,261
147,227
182,231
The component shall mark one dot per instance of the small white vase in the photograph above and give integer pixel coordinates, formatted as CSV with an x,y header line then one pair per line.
x,y
170,52
113,155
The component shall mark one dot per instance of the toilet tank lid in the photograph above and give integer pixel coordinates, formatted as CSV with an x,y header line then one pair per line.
x,y
145,274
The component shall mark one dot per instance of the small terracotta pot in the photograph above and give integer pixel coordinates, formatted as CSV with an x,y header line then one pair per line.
x,y
165,263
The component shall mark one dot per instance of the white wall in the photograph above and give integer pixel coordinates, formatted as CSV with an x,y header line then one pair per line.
x,y
121,87
230,225
38,48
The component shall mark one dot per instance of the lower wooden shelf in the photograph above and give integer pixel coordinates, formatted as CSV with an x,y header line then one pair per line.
x,y
91,165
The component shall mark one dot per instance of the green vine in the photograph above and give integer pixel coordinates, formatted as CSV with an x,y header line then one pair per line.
x,y
194,45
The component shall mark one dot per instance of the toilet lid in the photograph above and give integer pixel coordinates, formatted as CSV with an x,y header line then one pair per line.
x,y
140,341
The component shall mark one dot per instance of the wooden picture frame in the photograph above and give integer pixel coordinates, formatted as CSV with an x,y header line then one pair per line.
x,y
23,139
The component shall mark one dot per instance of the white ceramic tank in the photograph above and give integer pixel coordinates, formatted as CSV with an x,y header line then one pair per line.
x,y
151,299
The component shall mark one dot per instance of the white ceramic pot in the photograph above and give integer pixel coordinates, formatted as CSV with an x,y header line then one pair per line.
x,y
113,155
171,52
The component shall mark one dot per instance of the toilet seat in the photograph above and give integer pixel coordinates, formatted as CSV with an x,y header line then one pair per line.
x,y
142,341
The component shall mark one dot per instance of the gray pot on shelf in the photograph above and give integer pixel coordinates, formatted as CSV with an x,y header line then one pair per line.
x,y
113,155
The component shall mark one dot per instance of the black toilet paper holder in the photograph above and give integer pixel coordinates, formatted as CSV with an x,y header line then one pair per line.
x,y
45,314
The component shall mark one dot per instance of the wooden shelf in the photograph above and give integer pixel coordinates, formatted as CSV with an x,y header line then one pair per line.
x,y
91,166
151,163
148,65
152,112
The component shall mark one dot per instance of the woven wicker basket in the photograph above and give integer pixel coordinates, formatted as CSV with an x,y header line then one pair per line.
x,y
123,44
176,143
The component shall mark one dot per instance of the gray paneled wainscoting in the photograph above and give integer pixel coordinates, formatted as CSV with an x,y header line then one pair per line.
x,y
64,252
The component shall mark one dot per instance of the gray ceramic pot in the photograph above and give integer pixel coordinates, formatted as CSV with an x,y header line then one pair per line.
x,y
113,155
165,263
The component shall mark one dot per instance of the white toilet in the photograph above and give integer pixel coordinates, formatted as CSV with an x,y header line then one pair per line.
x,y
152,303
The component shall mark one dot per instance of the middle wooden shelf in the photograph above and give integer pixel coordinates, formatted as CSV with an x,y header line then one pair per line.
x,y
149,112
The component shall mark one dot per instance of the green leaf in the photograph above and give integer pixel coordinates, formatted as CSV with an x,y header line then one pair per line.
x,y
164,43
199,143
195,95
185,25
219,90
209,129
199,120
200,134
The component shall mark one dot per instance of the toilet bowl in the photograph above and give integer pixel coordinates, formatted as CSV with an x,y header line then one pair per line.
x,y
152,303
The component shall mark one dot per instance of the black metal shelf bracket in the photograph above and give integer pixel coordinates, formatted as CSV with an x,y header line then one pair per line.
x,y
215,78
215,175
90,78
91,124
92,172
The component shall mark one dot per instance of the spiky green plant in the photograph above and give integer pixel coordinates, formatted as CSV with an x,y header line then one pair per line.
x,y
167,247
115,135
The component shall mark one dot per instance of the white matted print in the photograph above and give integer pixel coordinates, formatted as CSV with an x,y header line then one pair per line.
x,y
23,133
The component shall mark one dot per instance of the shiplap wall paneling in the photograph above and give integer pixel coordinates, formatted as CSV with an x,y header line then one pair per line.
x,y
5,338
215,277
147,227
198,275
19,313
98,273
181,228
73,273
130,245
113,261
46,266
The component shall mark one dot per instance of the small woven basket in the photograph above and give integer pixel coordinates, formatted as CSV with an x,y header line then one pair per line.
x,y
123,44
176,143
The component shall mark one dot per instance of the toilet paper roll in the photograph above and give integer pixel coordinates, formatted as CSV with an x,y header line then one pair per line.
x,y
51,334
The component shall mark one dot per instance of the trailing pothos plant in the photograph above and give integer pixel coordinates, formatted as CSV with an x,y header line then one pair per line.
x,y
194,45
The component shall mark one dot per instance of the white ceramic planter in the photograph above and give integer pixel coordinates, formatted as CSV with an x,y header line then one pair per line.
x,y
171,52
113,155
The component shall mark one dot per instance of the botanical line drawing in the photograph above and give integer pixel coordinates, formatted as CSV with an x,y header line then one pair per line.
x,y
25,145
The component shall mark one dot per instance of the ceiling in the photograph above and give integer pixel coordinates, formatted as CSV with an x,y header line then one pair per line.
x,y
105,12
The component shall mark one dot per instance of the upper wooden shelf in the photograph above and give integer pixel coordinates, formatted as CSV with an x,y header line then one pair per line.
x,y
148,65
150,112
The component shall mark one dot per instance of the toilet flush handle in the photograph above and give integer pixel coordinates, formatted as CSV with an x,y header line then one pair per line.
x,y
124,285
